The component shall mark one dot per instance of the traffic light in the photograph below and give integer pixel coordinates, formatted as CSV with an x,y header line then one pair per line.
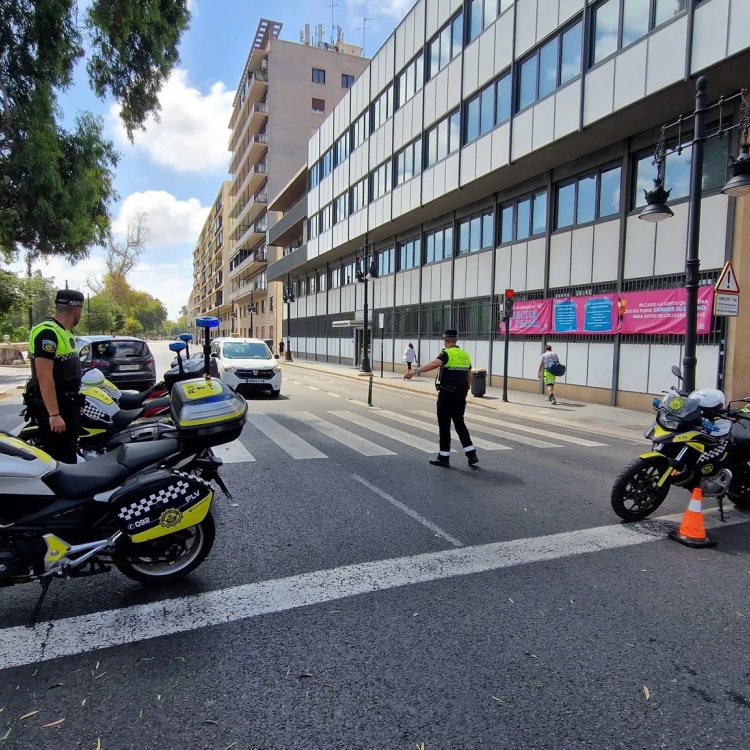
x,y
508,304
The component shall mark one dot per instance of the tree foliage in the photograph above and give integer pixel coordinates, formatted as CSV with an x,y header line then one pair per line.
x,y
56,185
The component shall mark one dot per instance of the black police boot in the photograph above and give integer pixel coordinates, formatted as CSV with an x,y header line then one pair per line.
x,y
473,458
441,461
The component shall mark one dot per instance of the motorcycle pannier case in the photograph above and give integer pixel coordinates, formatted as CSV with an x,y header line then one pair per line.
x,y
207,412
161,502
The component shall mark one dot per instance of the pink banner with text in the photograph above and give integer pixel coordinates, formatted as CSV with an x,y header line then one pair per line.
x,y
657,312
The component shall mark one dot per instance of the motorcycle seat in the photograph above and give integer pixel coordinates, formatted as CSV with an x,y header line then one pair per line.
x,y
124,417
108,471
741,433
134,400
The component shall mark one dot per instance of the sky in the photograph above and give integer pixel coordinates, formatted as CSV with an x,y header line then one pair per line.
x,y
174,168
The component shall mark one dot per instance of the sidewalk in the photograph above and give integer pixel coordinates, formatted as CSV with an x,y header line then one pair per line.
x,y
533,407
13,379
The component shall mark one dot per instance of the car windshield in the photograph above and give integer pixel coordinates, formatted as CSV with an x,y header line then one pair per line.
x,y
117,349
245,350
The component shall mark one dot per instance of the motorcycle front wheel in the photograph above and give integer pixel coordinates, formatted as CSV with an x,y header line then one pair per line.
x,y
636,494
171,557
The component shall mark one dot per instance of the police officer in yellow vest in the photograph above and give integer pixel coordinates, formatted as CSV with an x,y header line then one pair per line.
x,y
52,396
452,383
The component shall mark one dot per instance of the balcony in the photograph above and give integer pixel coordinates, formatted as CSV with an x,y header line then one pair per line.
x,y
281,232
254,119
246,259
251,182
251,234
242,287
248,212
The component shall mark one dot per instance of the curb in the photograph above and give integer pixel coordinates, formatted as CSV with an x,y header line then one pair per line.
x,y
477,402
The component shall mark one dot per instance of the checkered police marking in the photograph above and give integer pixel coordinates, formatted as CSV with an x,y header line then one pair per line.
x,y
92,412
162,497
194,478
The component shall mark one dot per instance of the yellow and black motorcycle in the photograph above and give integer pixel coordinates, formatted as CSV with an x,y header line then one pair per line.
x,y
693,445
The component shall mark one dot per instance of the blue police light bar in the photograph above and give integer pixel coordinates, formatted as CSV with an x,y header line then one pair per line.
x,y
656,403
177,346
186,337
206,321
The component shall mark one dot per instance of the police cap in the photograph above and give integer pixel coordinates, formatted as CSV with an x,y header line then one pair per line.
x,y
450,333
69,297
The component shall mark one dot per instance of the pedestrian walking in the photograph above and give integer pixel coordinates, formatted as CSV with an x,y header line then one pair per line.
x,y
549,360
452,384
410,356
281,348
52,397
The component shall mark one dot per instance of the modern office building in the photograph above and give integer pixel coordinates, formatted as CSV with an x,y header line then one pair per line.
x,y
285,92
501,144
210,261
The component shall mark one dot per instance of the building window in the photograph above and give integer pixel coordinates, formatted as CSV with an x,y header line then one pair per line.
x,y
382,108
348,273
677,170
443,138
386,261
360,130
620,23
410,80
341,150
488,108
523,218
347,81
446,44
551,66
438,245
481,15
341,207
318,75
476,233
381,180
319,106
313,226
588,198
326,217
409,162
335,278
359,196
409,254
270,306
326,164
313,178
322,278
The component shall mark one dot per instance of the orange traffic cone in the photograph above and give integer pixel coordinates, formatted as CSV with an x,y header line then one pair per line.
x,y
692,532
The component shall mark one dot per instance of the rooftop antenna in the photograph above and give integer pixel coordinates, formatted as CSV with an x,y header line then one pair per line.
x,y
363,29
333,20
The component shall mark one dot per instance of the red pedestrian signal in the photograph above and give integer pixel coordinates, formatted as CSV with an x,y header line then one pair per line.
x,y
508,304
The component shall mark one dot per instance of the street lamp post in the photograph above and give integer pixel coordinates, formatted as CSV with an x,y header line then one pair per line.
x,y
656,209
251,310
233,315
288,298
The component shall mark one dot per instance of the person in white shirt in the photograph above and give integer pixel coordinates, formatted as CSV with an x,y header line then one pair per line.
x,y
410,356
548,359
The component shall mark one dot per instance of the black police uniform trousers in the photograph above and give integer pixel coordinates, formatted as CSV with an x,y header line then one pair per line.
x,y
451,406
61,445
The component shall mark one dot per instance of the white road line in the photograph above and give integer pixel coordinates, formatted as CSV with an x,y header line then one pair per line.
x,y
349,439
533,442
433,428
535,431
312,387
335,395
234,453
383,429
116,627
409,512
295,446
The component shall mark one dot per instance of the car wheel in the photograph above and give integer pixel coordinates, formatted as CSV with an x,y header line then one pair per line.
x,y
275,394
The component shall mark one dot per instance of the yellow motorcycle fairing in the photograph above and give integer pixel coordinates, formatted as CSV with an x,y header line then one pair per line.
x,y
173,520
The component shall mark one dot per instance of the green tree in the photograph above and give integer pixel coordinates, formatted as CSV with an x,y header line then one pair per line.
x,y
56,184
100,315
132,327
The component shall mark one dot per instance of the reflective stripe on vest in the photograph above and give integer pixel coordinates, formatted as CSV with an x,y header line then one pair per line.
x,y
66,345
455,372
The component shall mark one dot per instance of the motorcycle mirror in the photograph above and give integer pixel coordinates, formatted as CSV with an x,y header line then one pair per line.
x,y
177,346
676,372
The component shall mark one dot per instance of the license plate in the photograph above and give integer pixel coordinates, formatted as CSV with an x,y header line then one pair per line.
x,y
254,381
129,368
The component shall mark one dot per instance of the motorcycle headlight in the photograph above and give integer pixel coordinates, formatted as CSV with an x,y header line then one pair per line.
x,y
667,422
229,368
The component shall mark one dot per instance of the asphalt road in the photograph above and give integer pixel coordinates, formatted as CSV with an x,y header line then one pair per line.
x,y
357,597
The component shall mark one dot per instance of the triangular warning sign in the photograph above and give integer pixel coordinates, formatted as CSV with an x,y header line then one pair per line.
x,y
727,282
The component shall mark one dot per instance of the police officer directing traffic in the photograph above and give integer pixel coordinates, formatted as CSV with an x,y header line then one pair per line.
x,y
452,383
52,392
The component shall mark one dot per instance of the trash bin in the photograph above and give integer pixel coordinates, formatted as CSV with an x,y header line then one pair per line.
x,y
479,383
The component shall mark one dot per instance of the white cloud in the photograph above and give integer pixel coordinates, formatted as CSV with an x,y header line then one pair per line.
x,y
170,221
191,133
169,282
395,9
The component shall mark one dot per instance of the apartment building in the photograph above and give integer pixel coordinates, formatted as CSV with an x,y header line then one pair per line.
x,y
507,144
285,93
210,260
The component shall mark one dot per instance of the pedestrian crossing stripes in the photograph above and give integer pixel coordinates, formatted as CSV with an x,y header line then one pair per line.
x,y
295,446
426,446
345,437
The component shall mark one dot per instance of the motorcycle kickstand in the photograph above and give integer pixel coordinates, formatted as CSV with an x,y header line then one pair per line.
x,y
38,608
720,500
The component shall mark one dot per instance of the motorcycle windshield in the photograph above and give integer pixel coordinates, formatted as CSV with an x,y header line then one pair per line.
x,y
681,407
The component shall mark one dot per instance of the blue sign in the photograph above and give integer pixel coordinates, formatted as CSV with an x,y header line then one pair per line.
x,y
566,314
598,315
